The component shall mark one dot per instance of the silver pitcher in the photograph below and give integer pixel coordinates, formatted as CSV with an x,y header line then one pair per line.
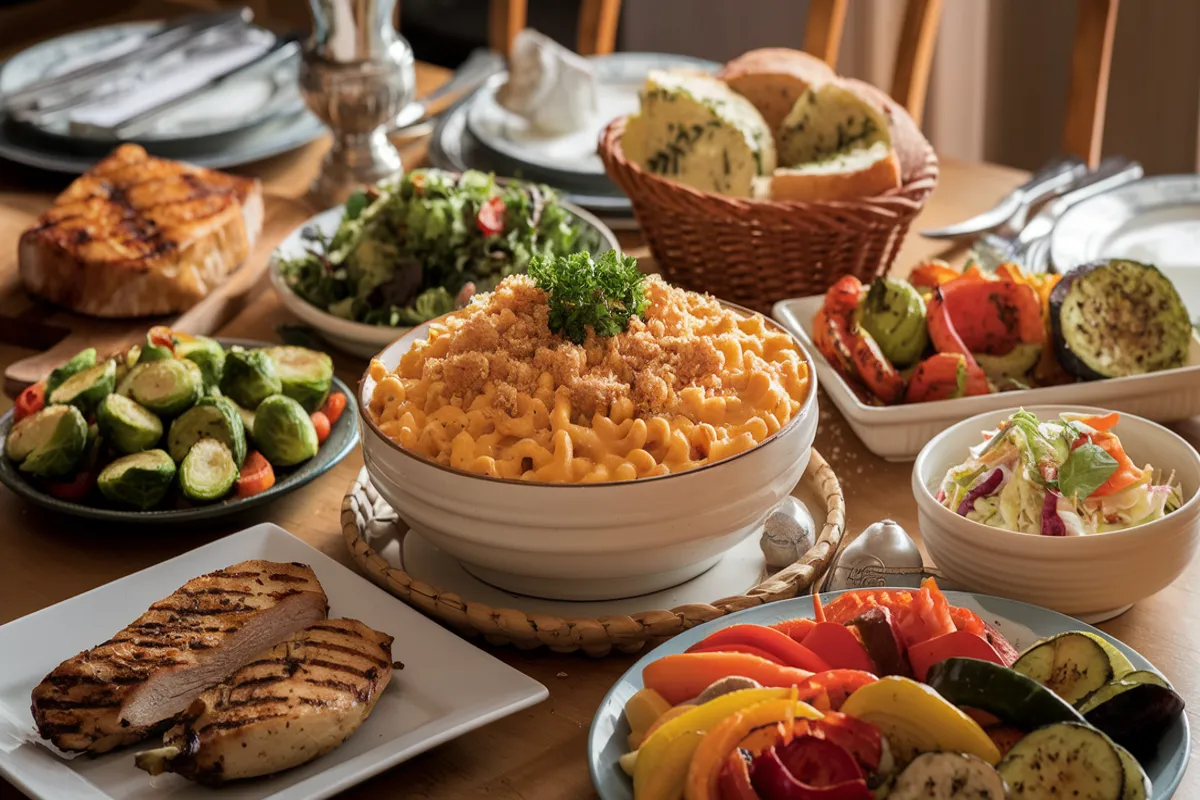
x,y
357,73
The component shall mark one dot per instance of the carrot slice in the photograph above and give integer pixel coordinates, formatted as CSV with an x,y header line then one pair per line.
x,y
257,475
321,423
767,642
335,404
736,647
682,676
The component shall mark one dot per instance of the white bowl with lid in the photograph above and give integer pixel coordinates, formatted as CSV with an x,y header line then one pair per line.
x,y
587,541
1092,577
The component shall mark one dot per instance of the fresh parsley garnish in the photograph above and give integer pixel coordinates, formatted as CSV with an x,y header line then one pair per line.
x,y
602,294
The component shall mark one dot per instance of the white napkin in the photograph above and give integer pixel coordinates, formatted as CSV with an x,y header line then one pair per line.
x,y
171,75
552,87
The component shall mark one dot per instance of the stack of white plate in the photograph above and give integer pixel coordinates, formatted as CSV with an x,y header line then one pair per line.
x,y
237,122
480,134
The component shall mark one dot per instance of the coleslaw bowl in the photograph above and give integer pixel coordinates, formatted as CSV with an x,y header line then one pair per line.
x,y
593,541
1093,577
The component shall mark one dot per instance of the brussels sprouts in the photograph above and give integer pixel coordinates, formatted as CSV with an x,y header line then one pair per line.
x,y
249,377
305,375
87,388
129,427
140,480
206,354
207,472
154,352
247,420
50,443
213,418
85,359
166,388
284,432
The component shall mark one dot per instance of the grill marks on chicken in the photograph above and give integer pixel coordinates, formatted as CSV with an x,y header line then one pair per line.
x,y
291,704
128,687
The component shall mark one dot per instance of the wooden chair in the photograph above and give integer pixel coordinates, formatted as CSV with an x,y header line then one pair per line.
x,y
1087,91
918,35
597,25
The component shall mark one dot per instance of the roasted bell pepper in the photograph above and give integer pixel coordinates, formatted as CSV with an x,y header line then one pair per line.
x,y
932,273
831,335
658,749
736,647
828,690
916,719
808,769
838,647
641,711
984,316
664,781
797,629
30,401
861,739
682,676
704,773
945,376
959,644
734,783
874,369
768,641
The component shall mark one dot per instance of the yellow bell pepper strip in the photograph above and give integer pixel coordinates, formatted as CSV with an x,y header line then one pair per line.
x,y
916,719
674,712
682,676
702,718
665,781
641,711
705,770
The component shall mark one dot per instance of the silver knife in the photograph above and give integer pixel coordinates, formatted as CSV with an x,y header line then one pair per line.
x,y
1051,179
479,66
83,79
993,249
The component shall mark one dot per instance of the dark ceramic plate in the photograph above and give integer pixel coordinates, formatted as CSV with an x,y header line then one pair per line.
x,y
341,441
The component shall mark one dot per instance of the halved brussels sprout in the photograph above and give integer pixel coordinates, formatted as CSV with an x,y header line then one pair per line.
x,y
247,420
305,375
140,480
249,377
284,432
207,354
128,426
50,443
154,352
167,387
213,418
207,472
85,359
87,388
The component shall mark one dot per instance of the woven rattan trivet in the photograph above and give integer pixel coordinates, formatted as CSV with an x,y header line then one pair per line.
x,y
627,633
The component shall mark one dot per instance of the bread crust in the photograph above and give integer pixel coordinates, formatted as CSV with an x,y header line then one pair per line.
x,y
139,236
800,186
773,78
909,143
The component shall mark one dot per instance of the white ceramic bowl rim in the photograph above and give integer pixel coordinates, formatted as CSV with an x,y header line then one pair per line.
x,y
810,403
926,497
364,330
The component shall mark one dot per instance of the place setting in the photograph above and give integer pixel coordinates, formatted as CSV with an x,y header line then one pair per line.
x,y
781,494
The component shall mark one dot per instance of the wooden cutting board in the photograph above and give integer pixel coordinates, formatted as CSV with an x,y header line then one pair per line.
x,y
28,322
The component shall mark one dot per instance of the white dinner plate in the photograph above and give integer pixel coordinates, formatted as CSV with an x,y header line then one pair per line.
x,y
446,688
619,79
1155,220
897,433
1021,623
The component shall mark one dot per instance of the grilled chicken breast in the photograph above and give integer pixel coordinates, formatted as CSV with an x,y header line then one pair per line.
x,y
295,702
124,689
138,236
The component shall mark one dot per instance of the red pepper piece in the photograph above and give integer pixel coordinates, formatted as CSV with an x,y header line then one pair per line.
x,y
786,650
960,644
808,769
736,647
734,780
838,647
30,401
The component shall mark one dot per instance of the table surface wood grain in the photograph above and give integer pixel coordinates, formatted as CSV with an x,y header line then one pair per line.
x,y
540,753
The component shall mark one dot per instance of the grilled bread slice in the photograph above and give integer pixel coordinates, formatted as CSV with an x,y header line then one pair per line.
x,y
861,172
139,236
295,702
124,689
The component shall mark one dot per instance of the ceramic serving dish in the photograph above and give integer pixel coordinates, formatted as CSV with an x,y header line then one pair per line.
x,y
1090,577
897,433
594,541
359,338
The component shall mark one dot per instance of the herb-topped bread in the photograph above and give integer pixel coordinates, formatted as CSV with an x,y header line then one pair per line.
x,y
773,79
694,130
828,119
859,172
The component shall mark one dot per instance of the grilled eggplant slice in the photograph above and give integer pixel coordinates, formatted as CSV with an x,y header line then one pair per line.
x,y
948,776
290,705
124,689
1063,760
1116,318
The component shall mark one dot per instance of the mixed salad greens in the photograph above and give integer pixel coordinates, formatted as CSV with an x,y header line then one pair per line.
x,y
1064,477
408,251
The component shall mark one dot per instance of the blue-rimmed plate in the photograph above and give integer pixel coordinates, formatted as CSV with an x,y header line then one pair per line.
x,y
1021,623
342,439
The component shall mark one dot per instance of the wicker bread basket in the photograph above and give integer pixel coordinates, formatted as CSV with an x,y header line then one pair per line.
x,y
756,252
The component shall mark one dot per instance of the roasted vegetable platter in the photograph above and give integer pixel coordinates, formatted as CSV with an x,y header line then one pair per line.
x,y
905,359
176,428
891,693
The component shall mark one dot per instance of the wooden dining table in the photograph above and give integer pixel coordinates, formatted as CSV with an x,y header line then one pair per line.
x,y
539,753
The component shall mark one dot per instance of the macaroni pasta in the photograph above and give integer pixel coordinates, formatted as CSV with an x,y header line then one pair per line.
x,y
492,391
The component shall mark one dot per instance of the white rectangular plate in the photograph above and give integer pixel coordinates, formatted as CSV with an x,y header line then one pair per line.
x,y
447,686
898,433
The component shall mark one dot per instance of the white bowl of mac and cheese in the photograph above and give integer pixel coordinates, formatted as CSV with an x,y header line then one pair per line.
x,y
621,466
